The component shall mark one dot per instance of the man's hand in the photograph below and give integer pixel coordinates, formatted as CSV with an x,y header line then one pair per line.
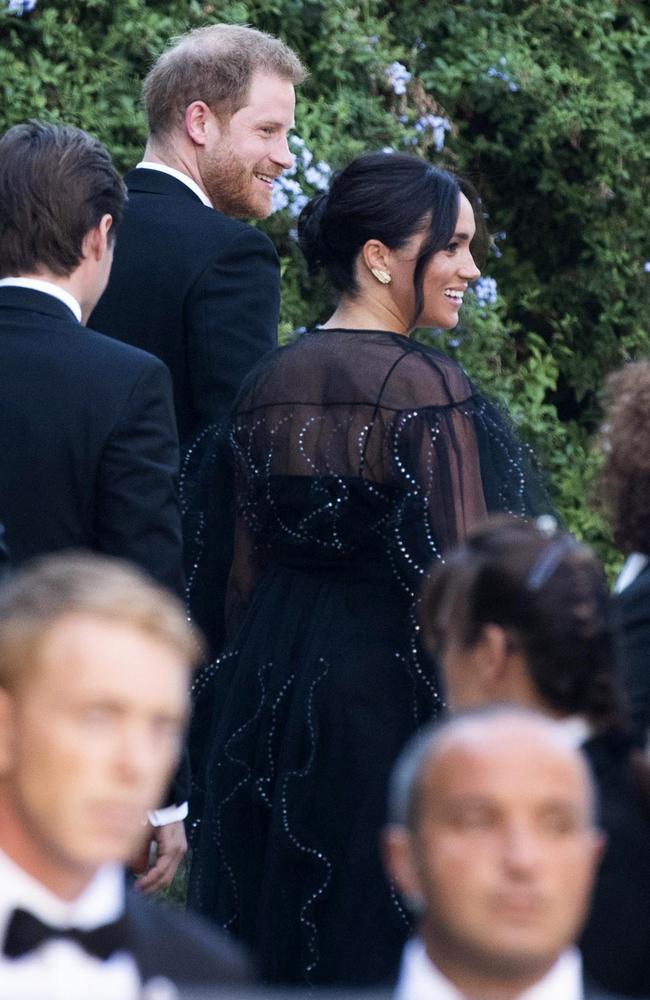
x,y
170,844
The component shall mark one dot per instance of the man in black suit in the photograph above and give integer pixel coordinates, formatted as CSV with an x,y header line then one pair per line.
x,y
87,437
492,843
191,283
87,433
94,676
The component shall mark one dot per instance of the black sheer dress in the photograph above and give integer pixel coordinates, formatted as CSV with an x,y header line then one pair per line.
x,y
361,456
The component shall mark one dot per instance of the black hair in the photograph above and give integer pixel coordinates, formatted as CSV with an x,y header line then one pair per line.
x,y
383,196
550,594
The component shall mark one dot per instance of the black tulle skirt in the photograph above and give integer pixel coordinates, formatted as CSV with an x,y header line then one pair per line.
x,y
295,731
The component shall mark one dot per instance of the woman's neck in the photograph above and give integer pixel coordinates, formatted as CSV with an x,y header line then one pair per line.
x,y
355,314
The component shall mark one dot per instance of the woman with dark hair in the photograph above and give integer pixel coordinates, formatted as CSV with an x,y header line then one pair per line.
x,y
520,613
625,490
361,456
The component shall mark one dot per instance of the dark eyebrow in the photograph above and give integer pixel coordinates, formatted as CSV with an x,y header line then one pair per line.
x,y
462,236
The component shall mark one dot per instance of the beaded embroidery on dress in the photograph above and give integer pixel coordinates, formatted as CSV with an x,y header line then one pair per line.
x,y
361,457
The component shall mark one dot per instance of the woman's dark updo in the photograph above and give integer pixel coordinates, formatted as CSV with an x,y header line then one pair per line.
x,y
381,196
549,593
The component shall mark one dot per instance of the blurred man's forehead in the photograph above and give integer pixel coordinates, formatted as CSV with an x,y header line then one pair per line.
x,y
513,760
83,653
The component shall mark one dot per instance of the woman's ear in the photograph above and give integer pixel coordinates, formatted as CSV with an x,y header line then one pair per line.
x,y
493,654
376,256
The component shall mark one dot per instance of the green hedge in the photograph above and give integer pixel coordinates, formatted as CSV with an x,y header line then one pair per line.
x,y
544,104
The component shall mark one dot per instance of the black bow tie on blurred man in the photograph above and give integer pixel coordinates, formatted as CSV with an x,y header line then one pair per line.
x,y
26,932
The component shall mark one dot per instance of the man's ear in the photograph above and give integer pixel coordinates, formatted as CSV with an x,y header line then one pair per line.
x,y
399,862
7,731
96,241
198,120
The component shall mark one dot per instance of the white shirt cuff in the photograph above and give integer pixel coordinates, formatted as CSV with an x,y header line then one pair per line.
x,y
170,814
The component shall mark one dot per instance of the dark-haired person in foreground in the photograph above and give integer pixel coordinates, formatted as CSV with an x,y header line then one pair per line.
x,y
522,615
193,283
87,432
361,457
493,843
94,683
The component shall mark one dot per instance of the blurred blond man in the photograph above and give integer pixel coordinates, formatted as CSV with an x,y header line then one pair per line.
x,y
95,665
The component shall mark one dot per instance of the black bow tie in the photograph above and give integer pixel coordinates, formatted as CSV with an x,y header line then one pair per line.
x,y
26,932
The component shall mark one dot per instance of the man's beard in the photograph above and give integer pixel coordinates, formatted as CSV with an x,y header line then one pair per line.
x,y
230,186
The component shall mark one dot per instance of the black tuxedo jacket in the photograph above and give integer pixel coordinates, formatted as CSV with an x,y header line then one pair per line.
x,y
201,291
195,288
593,992
169,943
615,943
632,612
87,441
88,445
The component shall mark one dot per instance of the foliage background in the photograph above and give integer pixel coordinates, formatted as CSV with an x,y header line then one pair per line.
x,y
544,104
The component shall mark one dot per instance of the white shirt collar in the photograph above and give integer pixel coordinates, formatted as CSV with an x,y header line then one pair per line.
x,y
419,979
101,902
49,288
183,178
574,730
634,564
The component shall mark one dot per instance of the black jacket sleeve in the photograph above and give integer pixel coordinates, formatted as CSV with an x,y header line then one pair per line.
x,y
137,514
232,320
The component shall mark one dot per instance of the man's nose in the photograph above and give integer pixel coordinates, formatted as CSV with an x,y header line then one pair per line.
x,y
135,753
522,849
281,154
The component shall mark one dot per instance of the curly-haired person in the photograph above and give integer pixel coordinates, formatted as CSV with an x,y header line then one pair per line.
x,y
625,489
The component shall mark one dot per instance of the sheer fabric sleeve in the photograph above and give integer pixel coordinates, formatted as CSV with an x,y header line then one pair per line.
x,y
245,571
457,458
437,460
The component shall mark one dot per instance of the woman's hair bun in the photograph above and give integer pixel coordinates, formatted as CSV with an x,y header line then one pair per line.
x,y
310,232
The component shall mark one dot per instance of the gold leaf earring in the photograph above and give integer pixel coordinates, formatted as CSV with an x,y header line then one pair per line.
x,y
382,276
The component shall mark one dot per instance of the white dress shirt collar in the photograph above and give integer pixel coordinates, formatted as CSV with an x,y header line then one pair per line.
x,y
635,563
49,288
61,969
419,979
183,178
575,730
101,902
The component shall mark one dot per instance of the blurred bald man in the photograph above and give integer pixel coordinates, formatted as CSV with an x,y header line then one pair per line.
x,y
492,842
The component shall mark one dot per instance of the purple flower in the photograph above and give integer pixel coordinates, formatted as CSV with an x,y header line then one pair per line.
x,y
438,127
297,205
20,7
494,248
485,290
398,76
498,74
279,199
